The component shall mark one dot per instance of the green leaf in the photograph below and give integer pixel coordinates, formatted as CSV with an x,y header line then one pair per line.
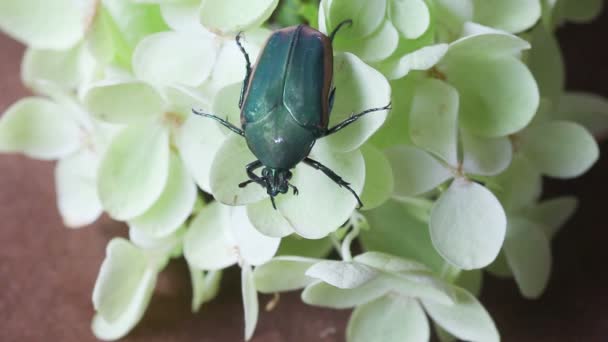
x,y
124,102
434,119
499,96
411,17
512,16
296,245
205,286
206,244
397,232
552,214
268,220
228,171
485,156
133,172
173,206
77,197
46,24
528,255
252,246
468,225
250,300
379,182
342,274
587,109
418,171
168,58
520,185
322,206
560,149
359,87
38,128
122,291
283,273
466,319
231,16
198,141
388,319
327,296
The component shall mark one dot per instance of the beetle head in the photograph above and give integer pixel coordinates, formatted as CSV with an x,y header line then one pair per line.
x,y
277,181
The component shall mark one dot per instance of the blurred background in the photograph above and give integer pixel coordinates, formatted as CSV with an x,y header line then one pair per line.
x,y
47,271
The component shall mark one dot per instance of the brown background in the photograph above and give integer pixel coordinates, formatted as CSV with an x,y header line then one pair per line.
x,y
47,272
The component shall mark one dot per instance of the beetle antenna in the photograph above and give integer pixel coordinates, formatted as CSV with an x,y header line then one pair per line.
x,y
340,25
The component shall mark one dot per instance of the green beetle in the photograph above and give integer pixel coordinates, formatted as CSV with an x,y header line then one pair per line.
x,y
285,104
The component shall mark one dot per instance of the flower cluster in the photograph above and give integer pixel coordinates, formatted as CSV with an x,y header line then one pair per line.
x,y
451,178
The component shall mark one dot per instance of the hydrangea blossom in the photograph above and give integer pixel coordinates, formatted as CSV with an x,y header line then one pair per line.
x,y
451,177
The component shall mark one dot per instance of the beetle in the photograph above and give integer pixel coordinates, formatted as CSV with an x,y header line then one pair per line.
x,y
285,103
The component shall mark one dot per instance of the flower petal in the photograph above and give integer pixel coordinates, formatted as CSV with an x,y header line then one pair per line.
x,y
411,17
379,182
512,16
232,16
284,273
253,247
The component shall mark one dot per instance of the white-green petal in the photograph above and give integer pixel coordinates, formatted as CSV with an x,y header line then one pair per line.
x,y
358,87
297,245
133,172
231,16
327,296
321,205
389,263
418,171
122,291
228,171
284,273
172,207
377,47
468,225
546,63
552,214
466,319
168,58
520,185
206,244
512,16
379,180
39,128
250,301
366,16
499,96
205,286
75,183
124,102
46,24
487,42
411,17
198,141
268,220
560,149
485,156
421,59
183,16
587,109
434,119
253,247
161,247
225,105
528,255
419,285
453,14
342,274
388,319
60,67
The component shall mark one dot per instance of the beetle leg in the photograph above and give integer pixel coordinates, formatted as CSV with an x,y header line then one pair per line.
x,y
295,190
354,118
333,176
253,178
222,121
340,25
248,70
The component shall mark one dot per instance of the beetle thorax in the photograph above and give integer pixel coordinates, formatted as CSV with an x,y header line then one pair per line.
x,y
277,180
